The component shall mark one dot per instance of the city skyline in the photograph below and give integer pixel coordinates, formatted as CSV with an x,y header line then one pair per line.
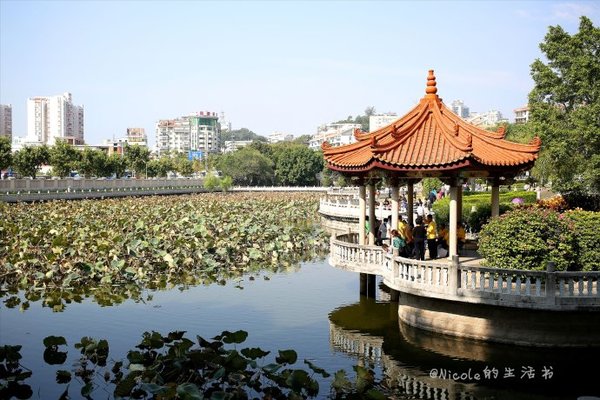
x,y
289,66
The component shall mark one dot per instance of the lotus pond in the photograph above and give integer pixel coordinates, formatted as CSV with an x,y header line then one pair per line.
x,y
115,298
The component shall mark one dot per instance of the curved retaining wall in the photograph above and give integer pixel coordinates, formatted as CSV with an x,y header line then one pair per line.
x,y
508,306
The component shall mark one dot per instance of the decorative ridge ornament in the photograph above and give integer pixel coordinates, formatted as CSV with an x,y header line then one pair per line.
x,y
431,85
502,131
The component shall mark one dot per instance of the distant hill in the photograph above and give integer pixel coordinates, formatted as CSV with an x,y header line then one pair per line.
x,y
242,134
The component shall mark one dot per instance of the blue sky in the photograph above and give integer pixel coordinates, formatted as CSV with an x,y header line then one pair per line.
x,y
270,66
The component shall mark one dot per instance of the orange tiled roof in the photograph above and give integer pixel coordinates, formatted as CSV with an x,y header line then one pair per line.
x,y
430,137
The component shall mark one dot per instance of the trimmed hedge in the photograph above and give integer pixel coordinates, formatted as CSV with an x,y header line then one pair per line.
x,y
586,230
530,238
477,207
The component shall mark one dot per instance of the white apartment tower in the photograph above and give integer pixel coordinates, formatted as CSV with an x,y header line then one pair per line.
x,y
54,118
195,132
6,121
459,108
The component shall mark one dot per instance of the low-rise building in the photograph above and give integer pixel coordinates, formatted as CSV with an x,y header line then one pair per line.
x,y
489,118
336,134
137,136
522,115
280,137
233,145
381,120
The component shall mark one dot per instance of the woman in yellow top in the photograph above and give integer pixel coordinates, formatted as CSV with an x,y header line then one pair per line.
x,y
461,236
431,237
444,236
405,233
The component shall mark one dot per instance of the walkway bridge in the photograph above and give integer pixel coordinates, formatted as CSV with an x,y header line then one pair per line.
x,y
462,298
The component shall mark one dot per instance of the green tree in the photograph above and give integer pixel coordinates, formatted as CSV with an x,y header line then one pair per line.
x,y
428,184
5,153
242,134
28,160
298,166
183,165
565,108
303,139
247,167
264,148
226,183
94,163
116,164
363,120
164,165
137,158
211,182
370,111
63,158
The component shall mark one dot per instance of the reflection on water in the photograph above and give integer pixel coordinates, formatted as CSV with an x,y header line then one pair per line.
x,y
293,309
423,365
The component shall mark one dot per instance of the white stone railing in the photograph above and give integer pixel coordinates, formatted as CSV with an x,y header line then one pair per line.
x,y
318,189
349,255
450,280
34,185
54,185
422,277
349,208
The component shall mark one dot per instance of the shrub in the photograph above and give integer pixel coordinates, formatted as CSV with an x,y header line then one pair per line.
x,y
587,238
226,183
477,207
211,182
556,203
585,201
529,239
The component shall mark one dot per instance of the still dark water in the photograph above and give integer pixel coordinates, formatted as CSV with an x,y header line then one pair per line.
x,y
316,310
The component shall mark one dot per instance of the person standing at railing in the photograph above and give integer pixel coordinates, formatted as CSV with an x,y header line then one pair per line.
x,y
398,243
382,232
431,237
419,233
405,232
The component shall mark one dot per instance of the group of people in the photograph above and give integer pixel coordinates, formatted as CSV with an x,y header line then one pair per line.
x,y
411,241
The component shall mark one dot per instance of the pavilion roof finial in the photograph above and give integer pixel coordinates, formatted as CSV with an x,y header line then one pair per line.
x,y
431,86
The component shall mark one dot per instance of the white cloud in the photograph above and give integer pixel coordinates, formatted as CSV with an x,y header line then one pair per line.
x,y
572,11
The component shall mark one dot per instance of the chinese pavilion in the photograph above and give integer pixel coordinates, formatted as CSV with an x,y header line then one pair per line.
x,y
429,141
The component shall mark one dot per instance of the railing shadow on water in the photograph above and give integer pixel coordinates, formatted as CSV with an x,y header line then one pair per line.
x,y
423,365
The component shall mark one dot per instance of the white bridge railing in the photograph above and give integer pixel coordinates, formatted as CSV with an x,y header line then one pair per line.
x,y
348,207
450,280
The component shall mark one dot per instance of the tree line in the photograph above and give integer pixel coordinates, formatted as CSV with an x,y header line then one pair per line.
x,y
260,163
66,159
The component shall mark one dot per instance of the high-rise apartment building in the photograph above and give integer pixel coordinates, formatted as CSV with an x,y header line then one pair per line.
x,y
459,108
6,121
195,132
55,117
